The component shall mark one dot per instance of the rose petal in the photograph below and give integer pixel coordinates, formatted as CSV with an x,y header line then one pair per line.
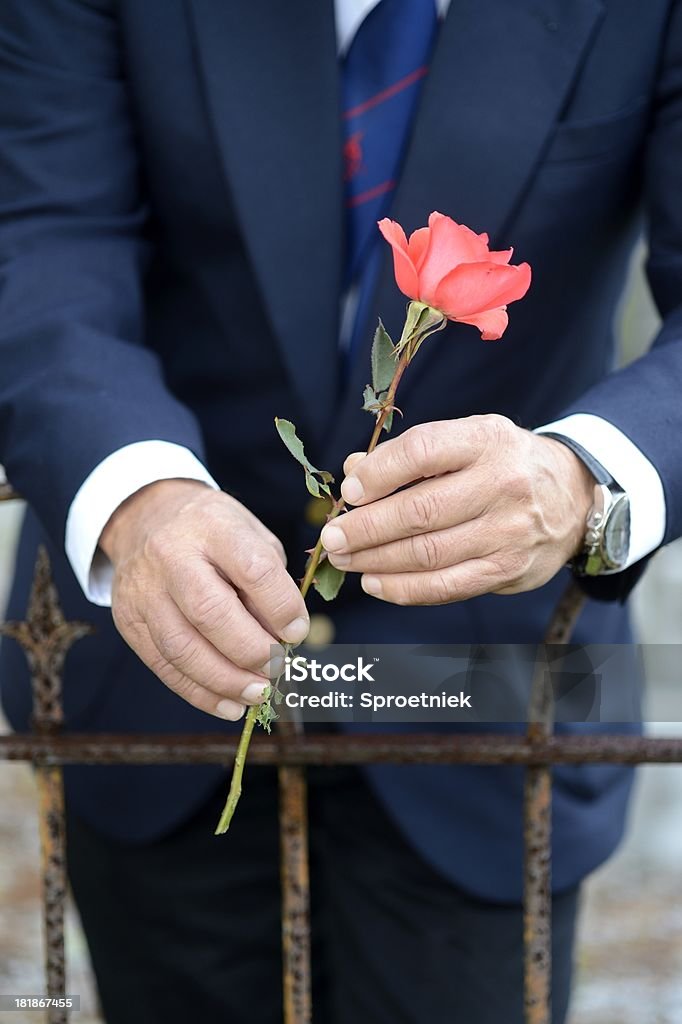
x,y
449,245
504,256
492,323
405,272
418,245
477,287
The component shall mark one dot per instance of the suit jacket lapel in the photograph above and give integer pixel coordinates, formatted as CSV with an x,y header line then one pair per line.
x,y
270,72
499,77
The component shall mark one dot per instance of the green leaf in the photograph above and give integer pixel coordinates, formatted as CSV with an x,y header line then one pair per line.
x,y
315,487
383,360
388,422
287,432
370,401
266,716
312,484
328,580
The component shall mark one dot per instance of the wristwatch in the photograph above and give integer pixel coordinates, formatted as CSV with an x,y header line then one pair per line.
x,y
606,543
607,534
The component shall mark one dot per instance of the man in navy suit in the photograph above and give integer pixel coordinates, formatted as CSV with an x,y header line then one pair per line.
x,y
172,249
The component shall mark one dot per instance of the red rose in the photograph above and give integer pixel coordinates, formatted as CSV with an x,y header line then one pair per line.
x,y
450,267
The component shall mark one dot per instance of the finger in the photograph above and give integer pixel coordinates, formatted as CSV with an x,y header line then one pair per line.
x,y
445,586
183,648
274,542
423,508
424,552
244,517
205,700
257,570
352,460
422,451
217,613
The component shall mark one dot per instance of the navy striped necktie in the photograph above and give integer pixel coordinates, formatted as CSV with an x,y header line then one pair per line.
x,y
382,74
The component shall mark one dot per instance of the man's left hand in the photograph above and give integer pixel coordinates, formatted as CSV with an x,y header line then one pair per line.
x,y
458,508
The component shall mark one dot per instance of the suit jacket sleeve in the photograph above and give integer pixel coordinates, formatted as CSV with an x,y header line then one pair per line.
x,y
77,381
644,400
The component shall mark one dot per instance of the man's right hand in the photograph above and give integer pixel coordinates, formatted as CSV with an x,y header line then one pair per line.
x,y
201,593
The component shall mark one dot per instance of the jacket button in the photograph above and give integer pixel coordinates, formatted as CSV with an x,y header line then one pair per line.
x,y
321,631
317,510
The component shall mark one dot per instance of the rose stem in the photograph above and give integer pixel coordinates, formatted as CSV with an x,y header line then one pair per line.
x,y
316,554
306,583
403,362
237,772
252,714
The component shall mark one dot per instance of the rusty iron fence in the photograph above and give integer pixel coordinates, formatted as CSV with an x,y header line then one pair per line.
x,y
46,636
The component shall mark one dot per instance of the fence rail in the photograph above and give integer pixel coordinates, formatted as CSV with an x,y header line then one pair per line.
x,y
425,748
46,637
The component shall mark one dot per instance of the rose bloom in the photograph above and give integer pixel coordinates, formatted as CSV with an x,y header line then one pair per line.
x,y
450,267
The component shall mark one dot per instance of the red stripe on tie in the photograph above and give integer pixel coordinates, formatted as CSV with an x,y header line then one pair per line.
x,y
386,94
370,193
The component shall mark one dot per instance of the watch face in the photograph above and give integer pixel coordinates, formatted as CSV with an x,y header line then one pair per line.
x,y
616,541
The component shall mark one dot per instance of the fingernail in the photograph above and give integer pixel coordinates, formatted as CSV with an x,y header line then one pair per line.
x,y
372,585
272,668
352,460
230,710
352,490
340,561
296,631
254,693
333,538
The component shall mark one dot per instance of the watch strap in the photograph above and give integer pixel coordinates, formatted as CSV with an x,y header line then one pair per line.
x,y
589,561
601,475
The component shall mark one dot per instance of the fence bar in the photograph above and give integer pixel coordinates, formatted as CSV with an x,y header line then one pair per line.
x,y
45,637
537,902
293,819
491,748
53,864
537,822
295,875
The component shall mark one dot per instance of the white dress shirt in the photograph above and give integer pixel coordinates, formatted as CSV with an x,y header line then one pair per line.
x,y
127,470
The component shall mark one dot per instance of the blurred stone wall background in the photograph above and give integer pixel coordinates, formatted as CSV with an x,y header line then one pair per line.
x,y
630,948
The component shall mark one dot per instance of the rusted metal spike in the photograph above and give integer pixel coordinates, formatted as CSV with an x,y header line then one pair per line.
x,y
45,628
45,637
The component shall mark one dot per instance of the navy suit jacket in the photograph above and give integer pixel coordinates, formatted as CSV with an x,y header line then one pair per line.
x,y
171,237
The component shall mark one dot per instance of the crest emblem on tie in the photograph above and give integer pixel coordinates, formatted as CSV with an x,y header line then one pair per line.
x,y
352,155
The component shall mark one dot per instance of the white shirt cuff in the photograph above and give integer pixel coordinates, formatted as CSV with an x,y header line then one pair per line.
x,y
629,468
117,477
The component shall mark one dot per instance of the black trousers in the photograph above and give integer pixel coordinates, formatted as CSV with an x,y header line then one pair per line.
x,y
187,928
